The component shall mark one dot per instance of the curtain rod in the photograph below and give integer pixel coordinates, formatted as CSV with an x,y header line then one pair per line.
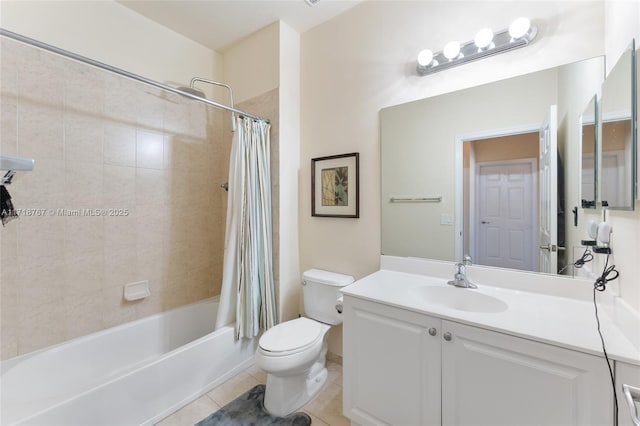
x,y
119,71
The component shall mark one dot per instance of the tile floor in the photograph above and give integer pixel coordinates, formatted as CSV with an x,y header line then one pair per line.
x,y
325,409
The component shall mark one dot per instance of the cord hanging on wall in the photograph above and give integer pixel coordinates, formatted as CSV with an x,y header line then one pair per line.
x,y
486,43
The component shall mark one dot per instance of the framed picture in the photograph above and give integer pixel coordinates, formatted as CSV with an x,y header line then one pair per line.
x,y
334,186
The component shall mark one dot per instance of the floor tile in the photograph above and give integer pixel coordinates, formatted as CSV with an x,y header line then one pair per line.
x,y
325,409
258,373
327,405
233,388
191,413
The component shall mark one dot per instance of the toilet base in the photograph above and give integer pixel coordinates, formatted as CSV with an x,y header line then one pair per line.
x,y
286,394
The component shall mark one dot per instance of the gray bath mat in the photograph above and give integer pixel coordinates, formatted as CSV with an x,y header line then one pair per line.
x,y
248,410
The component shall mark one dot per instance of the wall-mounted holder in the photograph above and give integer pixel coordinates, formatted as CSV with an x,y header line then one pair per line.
x,y
13,164
136,291
602,250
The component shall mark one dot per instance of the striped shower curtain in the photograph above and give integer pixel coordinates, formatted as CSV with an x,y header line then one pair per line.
x,y
248,264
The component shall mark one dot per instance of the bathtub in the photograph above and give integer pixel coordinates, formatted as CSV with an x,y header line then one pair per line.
x,y
133,374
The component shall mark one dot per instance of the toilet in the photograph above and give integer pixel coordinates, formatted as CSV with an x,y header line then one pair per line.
x,y
293,352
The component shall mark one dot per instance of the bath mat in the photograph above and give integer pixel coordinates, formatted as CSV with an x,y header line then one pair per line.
x,y
248,410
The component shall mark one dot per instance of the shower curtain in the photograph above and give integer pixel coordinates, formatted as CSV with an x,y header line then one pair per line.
x,y
248,289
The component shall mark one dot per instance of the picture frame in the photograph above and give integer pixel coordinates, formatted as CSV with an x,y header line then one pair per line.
x,y
335,186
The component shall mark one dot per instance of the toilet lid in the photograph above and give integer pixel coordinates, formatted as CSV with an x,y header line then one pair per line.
x,y
291,335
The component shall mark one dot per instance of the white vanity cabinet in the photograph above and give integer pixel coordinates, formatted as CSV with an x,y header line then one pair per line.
x,y
405,368
630,375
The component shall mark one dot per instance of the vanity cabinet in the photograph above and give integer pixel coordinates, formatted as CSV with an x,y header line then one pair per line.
x,y
630,375
406,368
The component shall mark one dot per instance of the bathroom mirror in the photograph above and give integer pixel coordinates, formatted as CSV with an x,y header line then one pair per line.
x,y
617,163
465,165
589,135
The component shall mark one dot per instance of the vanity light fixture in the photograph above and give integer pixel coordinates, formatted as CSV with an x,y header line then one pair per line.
x,y
486,43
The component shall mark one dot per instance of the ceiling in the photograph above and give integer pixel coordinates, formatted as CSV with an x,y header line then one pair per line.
x,y
218,24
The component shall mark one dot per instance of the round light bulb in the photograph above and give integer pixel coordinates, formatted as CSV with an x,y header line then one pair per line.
x,y
425,58
483,38
451,50
519,27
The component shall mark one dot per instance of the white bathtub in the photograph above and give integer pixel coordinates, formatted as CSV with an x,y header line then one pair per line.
x,y
133,374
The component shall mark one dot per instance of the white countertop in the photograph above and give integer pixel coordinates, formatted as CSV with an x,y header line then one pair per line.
x,y
557,320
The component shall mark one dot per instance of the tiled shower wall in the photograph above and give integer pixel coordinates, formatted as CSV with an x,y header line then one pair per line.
x,y
126,187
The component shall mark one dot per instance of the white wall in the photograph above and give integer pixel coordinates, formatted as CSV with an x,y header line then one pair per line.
x,y
111,33
622,23
364,60
289,286
252,65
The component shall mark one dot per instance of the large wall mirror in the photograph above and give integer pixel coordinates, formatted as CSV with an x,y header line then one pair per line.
x,y
589,141
618,138
477,171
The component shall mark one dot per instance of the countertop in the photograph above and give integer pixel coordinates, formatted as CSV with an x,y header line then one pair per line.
x,y
561,321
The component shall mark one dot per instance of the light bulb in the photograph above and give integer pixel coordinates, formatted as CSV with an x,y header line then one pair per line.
x,y
483,38
425,58
451,50
519,27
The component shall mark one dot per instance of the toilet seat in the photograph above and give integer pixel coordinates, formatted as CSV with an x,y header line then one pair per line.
x,y
291,337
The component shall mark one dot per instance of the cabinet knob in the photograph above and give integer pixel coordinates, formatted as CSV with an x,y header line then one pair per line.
x,y
433,331
447,336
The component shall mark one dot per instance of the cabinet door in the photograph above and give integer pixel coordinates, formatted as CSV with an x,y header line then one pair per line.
x,y
391,365
494,379
630,375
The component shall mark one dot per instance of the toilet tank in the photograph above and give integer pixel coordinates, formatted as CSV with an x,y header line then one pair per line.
x,y
321,290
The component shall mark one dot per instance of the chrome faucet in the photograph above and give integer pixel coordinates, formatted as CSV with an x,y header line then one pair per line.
x,y
460,279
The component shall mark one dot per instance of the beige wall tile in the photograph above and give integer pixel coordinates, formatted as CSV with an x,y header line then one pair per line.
x,y
41,78
103,141
83,185
41,188
8,126
115,310
177,255
119,145
83,314
150,150
40,280
119,186
83,138
121,99
84,89
151,186
119,265
150,262
119,233
39,237
9,70
40,131
176,115
44,327
83,234
152,224
83,273
8,310
149,114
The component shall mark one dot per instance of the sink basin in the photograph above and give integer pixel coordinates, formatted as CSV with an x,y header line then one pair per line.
x,y
462,299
